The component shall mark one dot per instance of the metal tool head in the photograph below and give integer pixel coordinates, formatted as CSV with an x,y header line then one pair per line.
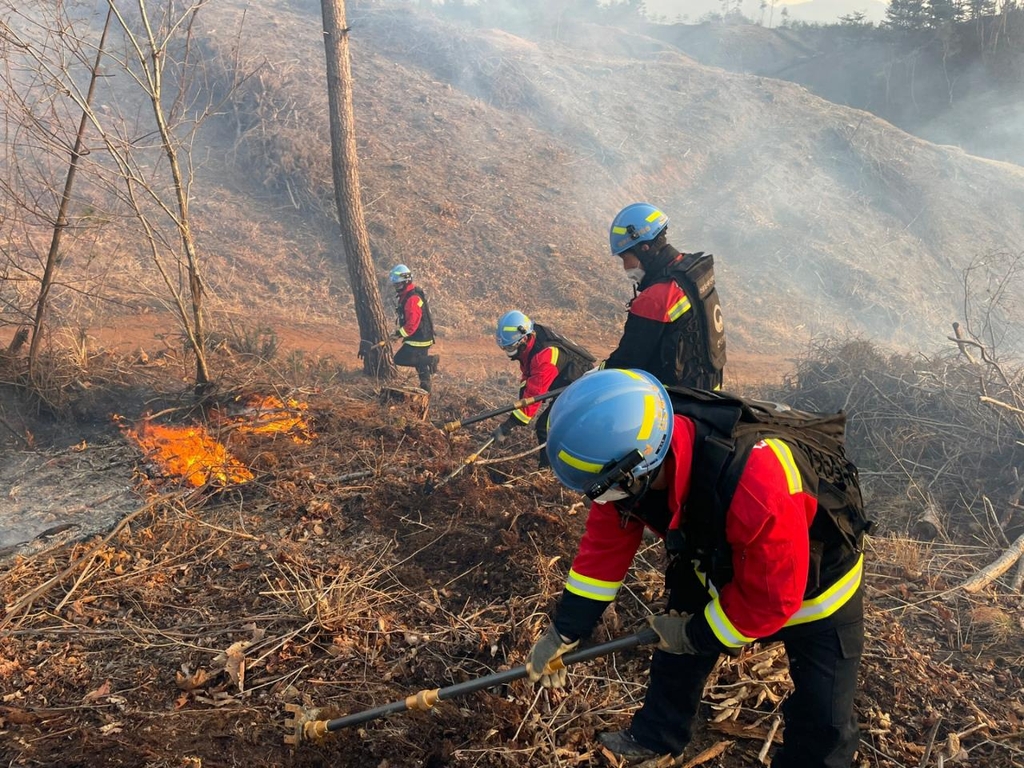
x,y
304,725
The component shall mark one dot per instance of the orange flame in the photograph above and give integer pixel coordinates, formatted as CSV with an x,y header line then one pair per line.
x,y
189,453
262,415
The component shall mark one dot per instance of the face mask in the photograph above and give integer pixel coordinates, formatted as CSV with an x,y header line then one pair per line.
x,y
615,493
636,274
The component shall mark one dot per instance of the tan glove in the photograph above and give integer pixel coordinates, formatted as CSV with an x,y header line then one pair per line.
x,y
549,648
671,629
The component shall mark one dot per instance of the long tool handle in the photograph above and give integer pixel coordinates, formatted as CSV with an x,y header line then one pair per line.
x,y
426,699
451,426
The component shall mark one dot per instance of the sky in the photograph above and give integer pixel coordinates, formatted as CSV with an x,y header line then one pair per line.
x,y
822,11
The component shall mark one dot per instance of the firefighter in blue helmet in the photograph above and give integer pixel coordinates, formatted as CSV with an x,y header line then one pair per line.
x,y
674,328
547,360
415,326
752,556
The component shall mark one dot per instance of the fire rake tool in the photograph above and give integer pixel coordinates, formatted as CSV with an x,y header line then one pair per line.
x,y
306,725
451,426
429,489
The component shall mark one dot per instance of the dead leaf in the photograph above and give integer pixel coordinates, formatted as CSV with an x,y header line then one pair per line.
x,y
188,680
99,693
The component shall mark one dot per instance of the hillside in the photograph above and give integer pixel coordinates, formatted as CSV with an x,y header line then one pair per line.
x,y
961,86
492,166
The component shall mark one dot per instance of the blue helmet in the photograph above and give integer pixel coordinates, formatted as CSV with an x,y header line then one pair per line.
x,y
608,429
635,224
513,327
400,275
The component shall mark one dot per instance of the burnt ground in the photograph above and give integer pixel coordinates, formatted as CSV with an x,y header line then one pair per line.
x,y
343,577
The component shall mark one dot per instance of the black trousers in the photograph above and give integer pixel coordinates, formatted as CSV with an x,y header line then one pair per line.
x,y
416,357
820,722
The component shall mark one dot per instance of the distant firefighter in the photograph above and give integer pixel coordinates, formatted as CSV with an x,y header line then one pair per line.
x,y
415,327
547,361
674,329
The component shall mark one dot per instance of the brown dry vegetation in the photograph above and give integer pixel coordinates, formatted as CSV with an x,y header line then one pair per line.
x,y
337,579
333,579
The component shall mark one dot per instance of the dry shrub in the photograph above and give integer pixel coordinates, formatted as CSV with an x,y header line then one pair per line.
x,y
994,626
920,431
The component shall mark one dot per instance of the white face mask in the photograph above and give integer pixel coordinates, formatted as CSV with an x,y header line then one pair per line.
x,y
615,493
636,274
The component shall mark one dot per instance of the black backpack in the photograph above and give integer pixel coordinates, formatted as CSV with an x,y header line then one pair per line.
x,y
728,427
577,359
696,276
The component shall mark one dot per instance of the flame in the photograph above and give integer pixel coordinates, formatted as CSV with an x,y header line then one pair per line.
x,y
189,453
267,414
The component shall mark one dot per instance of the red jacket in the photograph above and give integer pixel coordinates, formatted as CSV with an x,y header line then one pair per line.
x,y
766,526
537,373
411,306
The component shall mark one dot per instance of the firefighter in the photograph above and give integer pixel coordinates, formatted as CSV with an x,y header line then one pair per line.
x,y
674,328
547,360
415,327
736,575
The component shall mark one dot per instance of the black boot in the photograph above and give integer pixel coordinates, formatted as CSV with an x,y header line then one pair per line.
x,y
425,380
621,743
435,361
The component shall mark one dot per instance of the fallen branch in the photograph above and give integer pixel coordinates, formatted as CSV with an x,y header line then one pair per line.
x,y
667,761
992,572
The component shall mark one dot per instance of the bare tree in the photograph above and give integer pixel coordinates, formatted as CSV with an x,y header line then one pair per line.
x,y
373,326
49,268
146,167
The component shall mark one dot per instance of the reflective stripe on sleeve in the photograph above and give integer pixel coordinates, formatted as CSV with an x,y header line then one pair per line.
x,y
785,456
521,416
724,630
592,589
679,309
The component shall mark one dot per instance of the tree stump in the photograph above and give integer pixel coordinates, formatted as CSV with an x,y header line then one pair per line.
x,y
415,399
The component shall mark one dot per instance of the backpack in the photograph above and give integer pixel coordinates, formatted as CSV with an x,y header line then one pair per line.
x,y
696,276
577,359
728,427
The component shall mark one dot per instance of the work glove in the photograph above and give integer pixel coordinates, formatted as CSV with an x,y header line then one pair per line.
x,y
500,433
549,647
671,629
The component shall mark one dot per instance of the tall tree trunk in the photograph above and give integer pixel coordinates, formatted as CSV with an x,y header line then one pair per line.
x,y
373,325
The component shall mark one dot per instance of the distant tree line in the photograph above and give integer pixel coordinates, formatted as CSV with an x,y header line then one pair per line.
x,y
931,14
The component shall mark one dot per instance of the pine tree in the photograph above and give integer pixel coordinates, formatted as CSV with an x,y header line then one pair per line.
x,y
906,14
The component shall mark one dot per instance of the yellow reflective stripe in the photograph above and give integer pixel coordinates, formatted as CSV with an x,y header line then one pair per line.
x,y
656,214
510,328
580,464
554,355
419,302
619,230
724,630
628,372
521,416
647,423
402,331
594,589
785,456
600,366
832,599
820,607
418,343
679,309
